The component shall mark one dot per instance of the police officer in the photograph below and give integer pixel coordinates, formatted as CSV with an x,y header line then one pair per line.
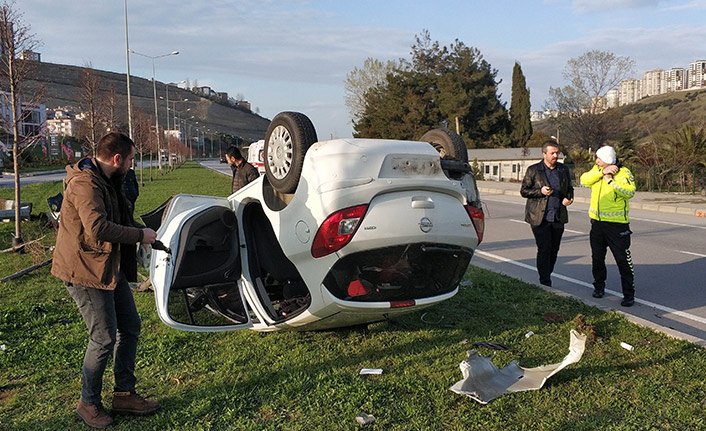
x,y
612,185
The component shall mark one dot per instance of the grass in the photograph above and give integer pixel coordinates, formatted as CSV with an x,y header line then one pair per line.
x,y
309,380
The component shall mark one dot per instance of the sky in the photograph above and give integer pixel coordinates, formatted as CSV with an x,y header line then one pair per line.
x,y
294,55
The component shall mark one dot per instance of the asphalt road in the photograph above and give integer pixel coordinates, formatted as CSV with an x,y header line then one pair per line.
x,y
668,250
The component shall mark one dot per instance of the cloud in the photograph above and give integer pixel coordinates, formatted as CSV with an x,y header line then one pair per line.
x,y
591,6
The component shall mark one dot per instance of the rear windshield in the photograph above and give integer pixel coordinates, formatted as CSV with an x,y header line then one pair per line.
x,y
411,271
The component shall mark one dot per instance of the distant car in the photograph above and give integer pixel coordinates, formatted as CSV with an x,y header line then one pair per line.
x,y
223,159
336,233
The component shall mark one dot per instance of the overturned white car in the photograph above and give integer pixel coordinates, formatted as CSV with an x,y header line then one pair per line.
x,y
337,233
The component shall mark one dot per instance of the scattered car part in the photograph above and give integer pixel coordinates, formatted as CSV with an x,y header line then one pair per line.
x,y
483,381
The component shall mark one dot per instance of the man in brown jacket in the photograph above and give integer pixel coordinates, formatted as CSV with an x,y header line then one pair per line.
x,y
95,224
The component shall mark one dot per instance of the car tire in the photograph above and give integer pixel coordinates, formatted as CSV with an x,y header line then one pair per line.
x,y
448,143
288,137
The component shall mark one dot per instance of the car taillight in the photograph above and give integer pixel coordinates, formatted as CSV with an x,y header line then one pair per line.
x,y
478,219
337,230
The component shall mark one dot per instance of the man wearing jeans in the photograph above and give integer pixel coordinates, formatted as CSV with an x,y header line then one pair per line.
x,y
547,187
95,224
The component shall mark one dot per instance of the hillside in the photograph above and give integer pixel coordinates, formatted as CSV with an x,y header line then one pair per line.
x,y
62,87
653,115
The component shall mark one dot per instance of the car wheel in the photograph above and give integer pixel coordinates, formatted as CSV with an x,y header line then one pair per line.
x,y
448,143
288,138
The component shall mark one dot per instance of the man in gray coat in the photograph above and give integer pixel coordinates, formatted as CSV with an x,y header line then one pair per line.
x,y
547,187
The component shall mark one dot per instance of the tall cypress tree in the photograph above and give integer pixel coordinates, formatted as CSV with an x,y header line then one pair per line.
x,y
520,124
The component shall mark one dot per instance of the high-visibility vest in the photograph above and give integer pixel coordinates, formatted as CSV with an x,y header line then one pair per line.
x,y
609,199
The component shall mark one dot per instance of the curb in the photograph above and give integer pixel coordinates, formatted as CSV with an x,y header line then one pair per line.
x,y
32,174
669,209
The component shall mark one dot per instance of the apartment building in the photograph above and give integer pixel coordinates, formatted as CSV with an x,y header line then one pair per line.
x,y
675,79
697,74
32,116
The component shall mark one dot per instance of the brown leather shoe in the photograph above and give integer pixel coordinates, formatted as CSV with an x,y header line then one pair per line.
x,y
93,414
132,404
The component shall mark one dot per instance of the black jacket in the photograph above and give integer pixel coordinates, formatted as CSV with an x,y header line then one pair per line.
x,y
531,189
243,175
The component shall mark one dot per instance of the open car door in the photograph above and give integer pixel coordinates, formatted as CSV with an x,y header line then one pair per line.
x,y
197,281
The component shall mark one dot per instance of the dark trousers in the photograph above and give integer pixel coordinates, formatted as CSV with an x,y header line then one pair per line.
x,y
615,236
113,328
548,238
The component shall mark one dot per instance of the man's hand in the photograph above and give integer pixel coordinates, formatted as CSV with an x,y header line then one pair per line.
x,y
567,202
546,190
149,236
611,169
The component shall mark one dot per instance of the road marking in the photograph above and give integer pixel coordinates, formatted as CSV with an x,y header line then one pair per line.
x,y
631,217
589,285
691,253
667,222
565,230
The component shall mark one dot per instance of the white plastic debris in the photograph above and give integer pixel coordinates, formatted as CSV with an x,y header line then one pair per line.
x,y
529,334
483,381
626,346
2,347
370,371
364,418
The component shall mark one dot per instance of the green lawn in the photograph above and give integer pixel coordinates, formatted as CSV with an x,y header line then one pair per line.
x,y
309,380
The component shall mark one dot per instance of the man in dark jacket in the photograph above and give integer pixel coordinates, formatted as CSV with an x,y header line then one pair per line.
x,y
95,225
547,187
243,172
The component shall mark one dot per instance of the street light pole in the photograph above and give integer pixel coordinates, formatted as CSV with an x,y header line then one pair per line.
x,y
129,104
156,115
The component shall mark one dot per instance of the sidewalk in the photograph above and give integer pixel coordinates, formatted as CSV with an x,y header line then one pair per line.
x,y
671,203
32,174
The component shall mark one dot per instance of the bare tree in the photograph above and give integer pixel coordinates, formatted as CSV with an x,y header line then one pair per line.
x,y
360,81
110,107
92,106
142,135
15,41
580,104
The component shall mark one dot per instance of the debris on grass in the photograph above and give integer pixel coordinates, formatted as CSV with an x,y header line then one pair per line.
x,y
483,381
492,345
364,418
365,371
585,328
425,320
529,334
626,346
552,317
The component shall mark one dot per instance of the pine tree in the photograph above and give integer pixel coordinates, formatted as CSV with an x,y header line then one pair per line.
x,y
520,124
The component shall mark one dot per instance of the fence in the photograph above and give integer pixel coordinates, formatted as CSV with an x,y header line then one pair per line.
x,y
674,178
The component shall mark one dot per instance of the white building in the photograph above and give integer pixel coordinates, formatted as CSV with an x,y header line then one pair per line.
x,y
697,74
629,91
506,164
651,83
33,117
612,98
675,79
